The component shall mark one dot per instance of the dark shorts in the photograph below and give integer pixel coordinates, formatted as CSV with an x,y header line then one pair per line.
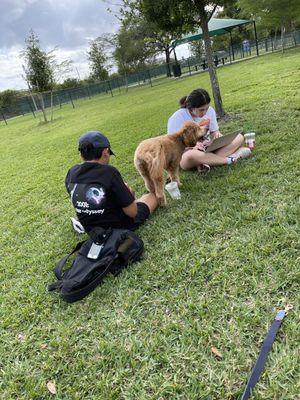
x,y
124,222
141,217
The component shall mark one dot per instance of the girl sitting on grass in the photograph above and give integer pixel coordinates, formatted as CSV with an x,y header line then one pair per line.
x,y
196,107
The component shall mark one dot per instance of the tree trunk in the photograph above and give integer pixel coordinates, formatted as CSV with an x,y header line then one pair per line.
x,y
167,53
33,100
211,68
126,81
282,35
34,103
51,105
43,106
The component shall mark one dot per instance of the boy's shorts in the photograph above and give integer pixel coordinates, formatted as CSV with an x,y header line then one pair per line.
x,y
141,217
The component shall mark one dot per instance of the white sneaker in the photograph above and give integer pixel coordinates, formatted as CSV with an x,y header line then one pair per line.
x,y
77,226
242,152
203,168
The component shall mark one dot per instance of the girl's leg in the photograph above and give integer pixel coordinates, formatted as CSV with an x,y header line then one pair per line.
x,y
232,147
193,158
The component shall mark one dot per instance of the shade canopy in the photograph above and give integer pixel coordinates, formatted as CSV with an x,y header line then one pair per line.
x,y
216,27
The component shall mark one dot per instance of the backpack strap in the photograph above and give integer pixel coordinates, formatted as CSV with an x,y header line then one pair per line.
x,y
79,294
59,266
99,235
54,286
58,269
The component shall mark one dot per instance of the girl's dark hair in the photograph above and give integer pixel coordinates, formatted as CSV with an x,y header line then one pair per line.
x,y
197,98
89,152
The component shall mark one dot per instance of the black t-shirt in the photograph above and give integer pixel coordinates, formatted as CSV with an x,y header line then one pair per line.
x,y
98,194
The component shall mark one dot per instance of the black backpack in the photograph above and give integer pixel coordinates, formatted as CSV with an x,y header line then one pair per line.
x,y
107,251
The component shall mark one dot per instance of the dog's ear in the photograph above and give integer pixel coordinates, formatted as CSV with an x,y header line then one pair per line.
x,y
191,134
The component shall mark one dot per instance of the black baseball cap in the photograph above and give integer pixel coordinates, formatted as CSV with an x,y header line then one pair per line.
x,y
96,139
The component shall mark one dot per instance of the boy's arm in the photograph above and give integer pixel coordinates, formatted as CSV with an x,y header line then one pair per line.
x,y
124,195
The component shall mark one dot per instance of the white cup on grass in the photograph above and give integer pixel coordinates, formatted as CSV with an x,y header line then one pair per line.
x,y
250,140
173,190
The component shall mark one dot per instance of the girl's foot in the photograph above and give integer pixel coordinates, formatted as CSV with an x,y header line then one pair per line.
x,y
242,152
203,168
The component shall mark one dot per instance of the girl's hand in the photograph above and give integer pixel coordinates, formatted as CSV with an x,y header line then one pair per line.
x,y
206,142
199,146
216,134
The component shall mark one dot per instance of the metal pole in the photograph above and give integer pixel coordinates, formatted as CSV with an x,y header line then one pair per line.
x,y
231,44
229,51
150,77
188,61
255,34
89,94
57,96
108,84
272,44
118,84
3,116
71,100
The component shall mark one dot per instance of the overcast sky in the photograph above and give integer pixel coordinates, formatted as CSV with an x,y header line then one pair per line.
x,y
68,24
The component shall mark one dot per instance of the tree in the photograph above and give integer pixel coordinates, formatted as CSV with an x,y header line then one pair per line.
x,y
69,83
273,14
38,64
233,11
197,48
189,15
8,98
130,53
163,43
155,39
98,59
41,70
134,51
8,101
38,72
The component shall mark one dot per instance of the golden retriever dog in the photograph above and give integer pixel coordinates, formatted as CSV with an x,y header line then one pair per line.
x,y
160,153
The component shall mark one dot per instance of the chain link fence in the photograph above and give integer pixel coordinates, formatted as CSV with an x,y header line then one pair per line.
x,y
184,67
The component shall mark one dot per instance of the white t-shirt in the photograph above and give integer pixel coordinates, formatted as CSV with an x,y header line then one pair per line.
x,y
176,120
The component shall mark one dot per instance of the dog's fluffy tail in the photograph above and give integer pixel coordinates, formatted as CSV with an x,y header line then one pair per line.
x,y
150,165
156,164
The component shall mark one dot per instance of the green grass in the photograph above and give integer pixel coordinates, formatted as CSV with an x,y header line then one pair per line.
x,y
217,266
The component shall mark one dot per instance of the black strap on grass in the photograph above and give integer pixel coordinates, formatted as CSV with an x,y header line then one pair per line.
x,y
78,294
59,266
263,355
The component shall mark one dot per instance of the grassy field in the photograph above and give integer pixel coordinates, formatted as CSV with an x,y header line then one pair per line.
x,y
217,266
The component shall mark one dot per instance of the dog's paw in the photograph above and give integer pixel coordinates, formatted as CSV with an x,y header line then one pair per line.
x,y
162,201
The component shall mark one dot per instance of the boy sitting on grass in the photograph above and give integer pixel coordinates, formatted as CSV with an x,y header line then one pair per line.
x,y
98,193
